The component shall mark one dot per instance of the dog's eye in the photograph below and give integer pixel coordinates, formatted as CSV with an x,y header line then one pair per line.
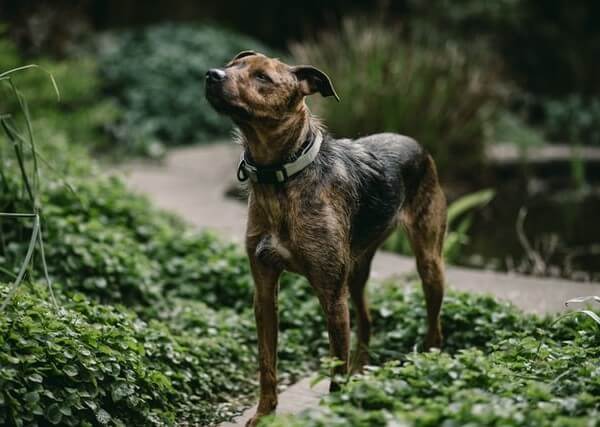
x,y
262,77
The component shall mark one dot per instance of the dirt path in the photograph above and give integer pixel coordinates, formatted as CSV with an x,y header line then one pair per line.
x,y
192,182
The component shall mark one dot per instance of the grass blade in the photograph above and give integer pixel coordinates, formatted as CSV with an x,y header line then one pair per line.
x,y
590,314
45,267
583,299
25,264
4,75
20,162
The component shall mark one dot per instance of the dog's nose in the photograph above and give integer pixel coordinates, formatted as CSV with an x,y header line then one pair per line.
x,y
215,75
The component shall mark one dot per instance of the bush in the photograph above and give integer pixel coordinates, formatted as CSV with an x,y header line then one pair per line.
x,y
563,35
573,120
114,246
520,383
104,365
436,95
158,75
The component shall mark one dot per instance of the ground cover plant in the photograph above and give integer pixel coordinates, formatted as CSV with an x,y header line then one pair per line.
x,y
207,356
553,380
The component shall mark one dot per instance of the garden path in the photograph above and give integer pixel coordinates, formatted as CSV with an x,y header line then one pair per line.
x,y
192,182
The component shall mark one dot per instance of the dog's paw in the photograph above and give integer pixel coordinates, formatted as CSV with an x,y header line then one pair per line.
x,y
433,341
253,422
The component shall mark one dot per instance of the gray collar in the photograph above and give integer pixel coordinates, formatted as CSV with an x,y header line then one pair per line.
x,y
282,173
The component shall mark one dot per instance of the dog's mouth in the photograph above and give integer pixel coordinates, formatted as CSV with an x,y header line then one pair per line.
x,y
219,100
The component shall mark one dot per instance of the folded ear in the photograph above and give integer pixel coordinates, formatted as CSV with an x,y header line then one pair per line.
x,y
244,53
313,80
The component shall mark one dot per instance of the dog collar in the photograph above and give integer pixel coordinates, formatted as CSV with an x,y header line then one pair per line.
x,y
280,174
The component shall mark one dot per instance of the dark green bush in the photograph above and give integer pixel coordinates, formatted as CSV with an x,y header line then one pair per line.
x,y
436,95
518,384
101,365
563,35
158,75
573,120
108,243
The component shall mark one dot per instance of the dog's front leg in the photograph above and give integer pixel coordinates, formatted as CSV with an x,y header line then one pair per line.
x,y
266,284
335,306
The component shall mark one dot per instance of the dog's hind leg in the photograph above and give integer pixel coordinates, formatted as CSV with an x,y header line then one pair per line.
x,y
424,219
357,284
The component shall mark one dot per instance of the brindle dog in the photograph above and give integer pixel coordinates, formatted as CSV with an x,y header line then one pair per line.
x,y
327,221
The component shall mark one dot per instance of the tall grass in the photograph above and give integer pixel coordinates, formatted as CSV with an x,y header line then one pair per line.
x,y
23,143
437,95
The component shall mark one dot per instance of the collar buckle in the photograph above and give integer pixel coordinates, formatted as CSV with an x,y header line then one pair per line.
x,y
271,175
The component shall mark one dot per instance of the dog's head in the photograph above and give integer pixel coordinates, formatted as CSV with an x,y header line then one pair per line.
x,y
253,88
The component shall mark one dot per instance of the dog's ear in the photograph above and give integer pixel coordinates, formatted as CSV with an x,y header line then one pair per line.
x,y
313,80
244,53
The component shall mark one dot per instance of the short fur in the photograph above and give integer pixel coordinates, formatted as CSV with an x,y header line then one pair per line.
x,y
326,222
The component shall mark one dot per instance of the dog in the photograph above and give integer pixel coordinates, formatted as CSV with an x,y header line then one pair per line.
x,y
320,206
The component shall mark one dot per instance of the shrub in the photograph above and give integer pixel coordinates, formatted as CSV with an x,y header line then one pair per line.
x,y
114,246
514,29
436,95
518,384
103,365
65,367
158,75
573,120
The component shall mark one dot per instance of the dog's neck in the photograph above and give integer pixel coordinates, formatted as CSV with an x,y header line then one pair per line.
x,y
275,144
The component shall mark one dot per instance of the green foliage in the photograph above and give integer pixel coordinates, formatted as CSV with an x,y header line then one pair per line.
x,y
114,246
158,75
435,94
74,365
468,321
564,37
510,128
81,113
518,384
460,214
573,120
90,361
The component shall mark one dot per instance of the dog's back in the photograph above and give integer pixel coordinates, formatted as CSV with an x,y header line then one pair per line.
x,y
376,175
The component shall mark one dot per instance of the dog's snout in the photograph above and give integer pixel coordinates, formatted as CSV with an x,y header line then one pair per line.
x,y
215,75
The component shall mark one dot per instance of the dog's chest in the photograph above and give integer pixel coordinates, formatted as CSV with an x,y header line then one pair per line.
x,y
281,225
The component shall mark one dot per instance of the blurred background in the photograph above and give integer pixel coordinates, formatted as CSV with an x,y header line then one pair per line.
x,y
505,94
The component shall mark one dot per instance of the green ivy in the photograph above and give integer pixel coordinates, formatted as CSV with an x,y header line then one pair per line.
x,y
519,383
105,365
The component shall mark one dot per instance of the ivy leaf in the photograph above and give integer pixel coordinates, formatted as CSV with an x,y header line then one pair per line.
x,y
32,397
70,370
120,391
53,414
103,417
36,378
